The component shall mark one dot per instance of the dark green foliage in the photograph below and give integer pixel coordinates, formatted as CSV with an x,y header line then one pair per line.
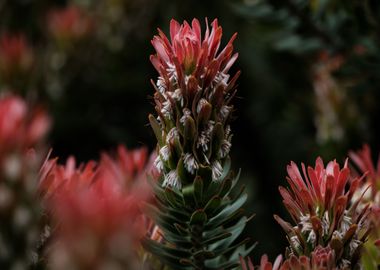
x,y
200,224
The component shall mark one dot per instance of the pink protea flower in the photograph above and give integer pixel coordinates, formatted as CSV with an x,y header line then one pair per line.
x,y
363,163
265,264
15,55
193,95
56,178
20,126
70,23
188,54
96,210
96,226
21,129
363,160
320,259
320,204
128,169
128,166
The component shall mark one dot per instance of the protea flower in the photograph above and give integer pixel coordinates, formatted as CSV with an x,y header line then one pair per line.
x,y
336,111
320,259
21,128
193,104
321,206
362,159
16,58
69,24
193,95
96,211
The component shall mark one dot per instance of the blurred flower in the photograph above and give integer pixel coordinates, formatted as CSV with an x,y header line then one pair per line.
x,y
69,24
21,128
128,167
336,113
16,57
95,210
321,205
363,160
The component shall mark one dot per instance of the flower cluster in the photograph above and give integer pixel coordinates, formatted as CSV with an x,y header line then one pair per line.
x,y
320,259
21,129
193,95
96,210
325,214
363,161
69,24
16,57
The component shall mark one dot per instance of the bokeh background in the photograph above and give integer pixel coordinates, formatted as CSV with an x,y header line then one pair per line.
x,y
309,85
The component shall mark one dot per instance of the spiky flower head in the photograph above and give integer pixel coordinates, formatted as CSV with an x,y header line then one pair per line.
x,y
193,95
320,204
198,215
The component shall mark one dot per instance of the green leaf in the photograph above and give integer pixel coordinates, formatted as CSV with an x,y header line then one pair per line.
x,y
198,190
188,195
204,254
204,113
212,205
234,231
173,198
156,128
228,211
199,217
181,230
205,173
182,172
170,256
216,238
189,133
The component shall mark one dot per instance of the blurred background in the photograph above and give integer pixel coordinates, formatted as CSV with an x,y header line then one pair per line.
x,y
309,85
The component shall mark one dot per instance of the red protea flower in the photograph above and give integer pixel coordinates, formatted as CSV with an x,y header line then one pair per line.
x,y
96,210
70,24
15,56
320,205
